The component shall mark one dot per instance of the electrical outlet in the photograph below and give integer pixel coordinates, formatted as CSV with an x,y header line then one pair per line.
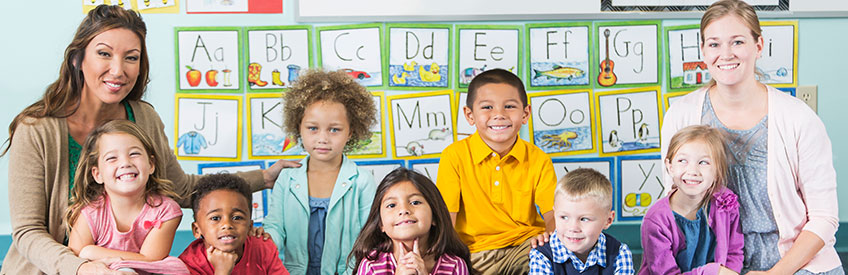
x,y
808,94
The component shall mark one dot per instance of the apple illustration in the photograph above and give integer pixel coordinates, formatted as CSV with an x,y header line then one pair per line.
x,y
210,77
193,76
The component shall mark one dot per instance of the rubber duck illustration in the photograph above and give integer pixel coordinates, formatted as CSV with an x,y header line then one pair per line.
x,y
410,67
431,75
401,79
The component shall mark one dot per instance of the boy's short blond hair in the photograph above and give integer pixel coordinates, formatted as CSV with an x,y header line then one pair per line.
x,y
583,183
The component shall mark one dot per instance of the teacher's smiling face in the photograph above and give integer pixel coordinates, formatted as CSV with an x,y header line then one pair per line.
x,y
111,66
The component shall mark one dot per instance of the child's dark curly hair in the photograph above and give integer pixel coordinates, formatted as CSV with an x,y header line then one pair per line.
x,y
222,181
338,86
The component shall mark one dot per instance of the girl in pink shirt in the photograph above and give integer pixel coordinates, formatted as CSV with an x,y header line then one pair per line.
x,y
409,231
123,213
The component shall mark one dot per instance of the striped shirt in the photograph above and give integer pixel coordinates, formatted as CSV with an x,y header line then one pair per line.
x,y
385,264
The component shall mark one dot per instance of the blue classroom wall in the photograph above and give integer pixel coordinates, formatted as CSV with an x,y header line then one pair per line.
x,y
35,38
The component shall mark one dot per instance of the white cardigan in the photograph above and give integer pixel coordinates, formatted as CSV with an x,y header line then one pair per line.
x,y
801,178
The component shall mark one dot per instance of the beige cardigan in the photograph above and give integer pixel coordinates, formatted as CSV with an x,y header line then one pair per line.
x,y
38,190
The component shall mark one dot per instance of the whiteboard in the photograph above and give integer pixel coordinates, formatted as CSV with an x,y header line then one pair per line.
x,y
479,10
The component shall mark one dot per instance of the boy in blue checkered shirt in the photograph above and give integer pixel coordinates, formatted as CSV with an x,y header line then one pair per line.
x,y
582,208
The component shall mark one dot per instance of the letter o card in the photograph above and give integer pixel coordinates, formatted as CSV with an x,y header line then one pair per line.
x,y
561,122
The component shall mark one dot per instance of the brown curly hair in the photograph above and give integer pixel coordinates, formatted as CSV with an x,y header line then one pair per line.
x,y
337,86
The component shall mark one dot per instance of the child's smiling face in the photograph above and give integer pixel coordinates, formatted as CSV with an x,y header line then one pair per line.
x,y
579,222
123,165
405,214
498,113
692,169
223,220
325,130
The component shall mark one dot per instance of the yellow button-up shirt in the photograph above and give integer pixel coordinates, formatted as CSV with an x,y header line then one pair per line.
x,y
495,197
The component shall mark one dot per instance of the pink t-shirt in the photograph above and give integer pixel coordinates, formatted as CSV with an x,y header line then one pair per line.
x,y
106,234
385,264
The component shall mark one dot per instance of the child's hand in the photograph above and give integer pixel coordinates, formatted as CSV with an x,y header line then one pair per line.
x,y
540,240
259,232
87,252
411,261
98,268
222,262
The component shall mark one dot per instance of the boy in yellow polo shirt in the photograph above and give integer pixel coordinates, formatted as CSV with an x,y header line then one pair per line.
x,y
493,181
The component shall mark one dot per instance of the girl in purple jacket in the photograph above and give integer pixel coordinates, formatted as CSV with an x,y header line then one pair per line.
x,y
695,229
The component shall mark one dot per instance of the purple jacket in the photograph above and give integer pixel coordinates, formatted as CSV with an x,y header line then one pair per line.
x,y
662,239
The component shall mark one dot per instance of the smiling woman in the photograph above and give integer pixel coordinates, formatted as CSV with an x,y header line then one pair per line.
x,y
103,77
781,166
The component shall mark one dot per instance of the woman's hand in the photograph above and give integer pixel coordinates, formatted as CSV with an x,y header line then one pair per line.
x,y
726,271
259,232
411,262
270,174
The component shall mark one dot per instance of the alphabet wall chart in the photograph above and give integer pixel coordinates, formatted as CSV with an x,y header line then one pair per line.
x,y
561,122
276,56
260,198
208,127
484,47
559,55
421,124
639,185
779,58
266,137
595,89
373,147
419,56
356,49
627,54
629,121
686,67
208,59
142,6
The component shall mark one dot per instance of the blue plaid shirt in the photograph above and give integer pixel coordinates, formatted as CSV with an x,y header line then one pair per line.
x,y
540,265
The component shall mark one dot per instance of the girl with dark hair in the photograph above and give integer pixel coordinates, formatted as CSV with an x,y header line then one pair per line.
x,y
409,231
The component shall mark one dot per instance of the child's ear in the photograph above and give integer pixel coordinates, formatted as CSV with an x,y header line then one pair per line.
x,y
196,230
610,219
526,116
152,164
95,172
469,116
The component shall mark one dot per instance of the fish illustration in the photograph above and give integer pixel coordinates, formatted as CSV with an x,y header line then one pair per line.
x,y
559,72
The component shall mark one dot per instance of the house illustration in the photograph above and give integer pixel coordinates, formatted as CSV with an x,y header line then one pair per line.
x,y
695,73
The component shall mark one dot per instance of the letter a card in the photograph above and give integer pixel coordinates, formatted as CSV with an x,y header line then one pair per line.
x,y
208,127
629,121
421,124
686,68
355,49
419,56
560,55
486,47
266,135
639,185
561,122
628,54
208,59
276,56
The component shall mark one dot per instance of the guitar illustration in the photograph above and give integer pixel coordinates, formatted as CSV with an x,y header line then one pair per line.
x,y
607,77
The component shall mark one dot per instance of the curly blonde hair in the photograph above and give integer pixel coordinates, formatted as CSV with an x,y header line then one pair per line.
x,y
337,86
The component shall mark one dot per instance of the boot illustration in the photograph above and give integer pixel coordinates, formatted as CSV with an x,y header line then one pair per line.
x,y
275,78
253,71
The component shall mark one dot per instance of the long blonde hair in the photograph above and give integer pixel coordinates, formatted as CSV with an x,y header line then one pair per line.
x,y
714,139
738,8
87,190
62,98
